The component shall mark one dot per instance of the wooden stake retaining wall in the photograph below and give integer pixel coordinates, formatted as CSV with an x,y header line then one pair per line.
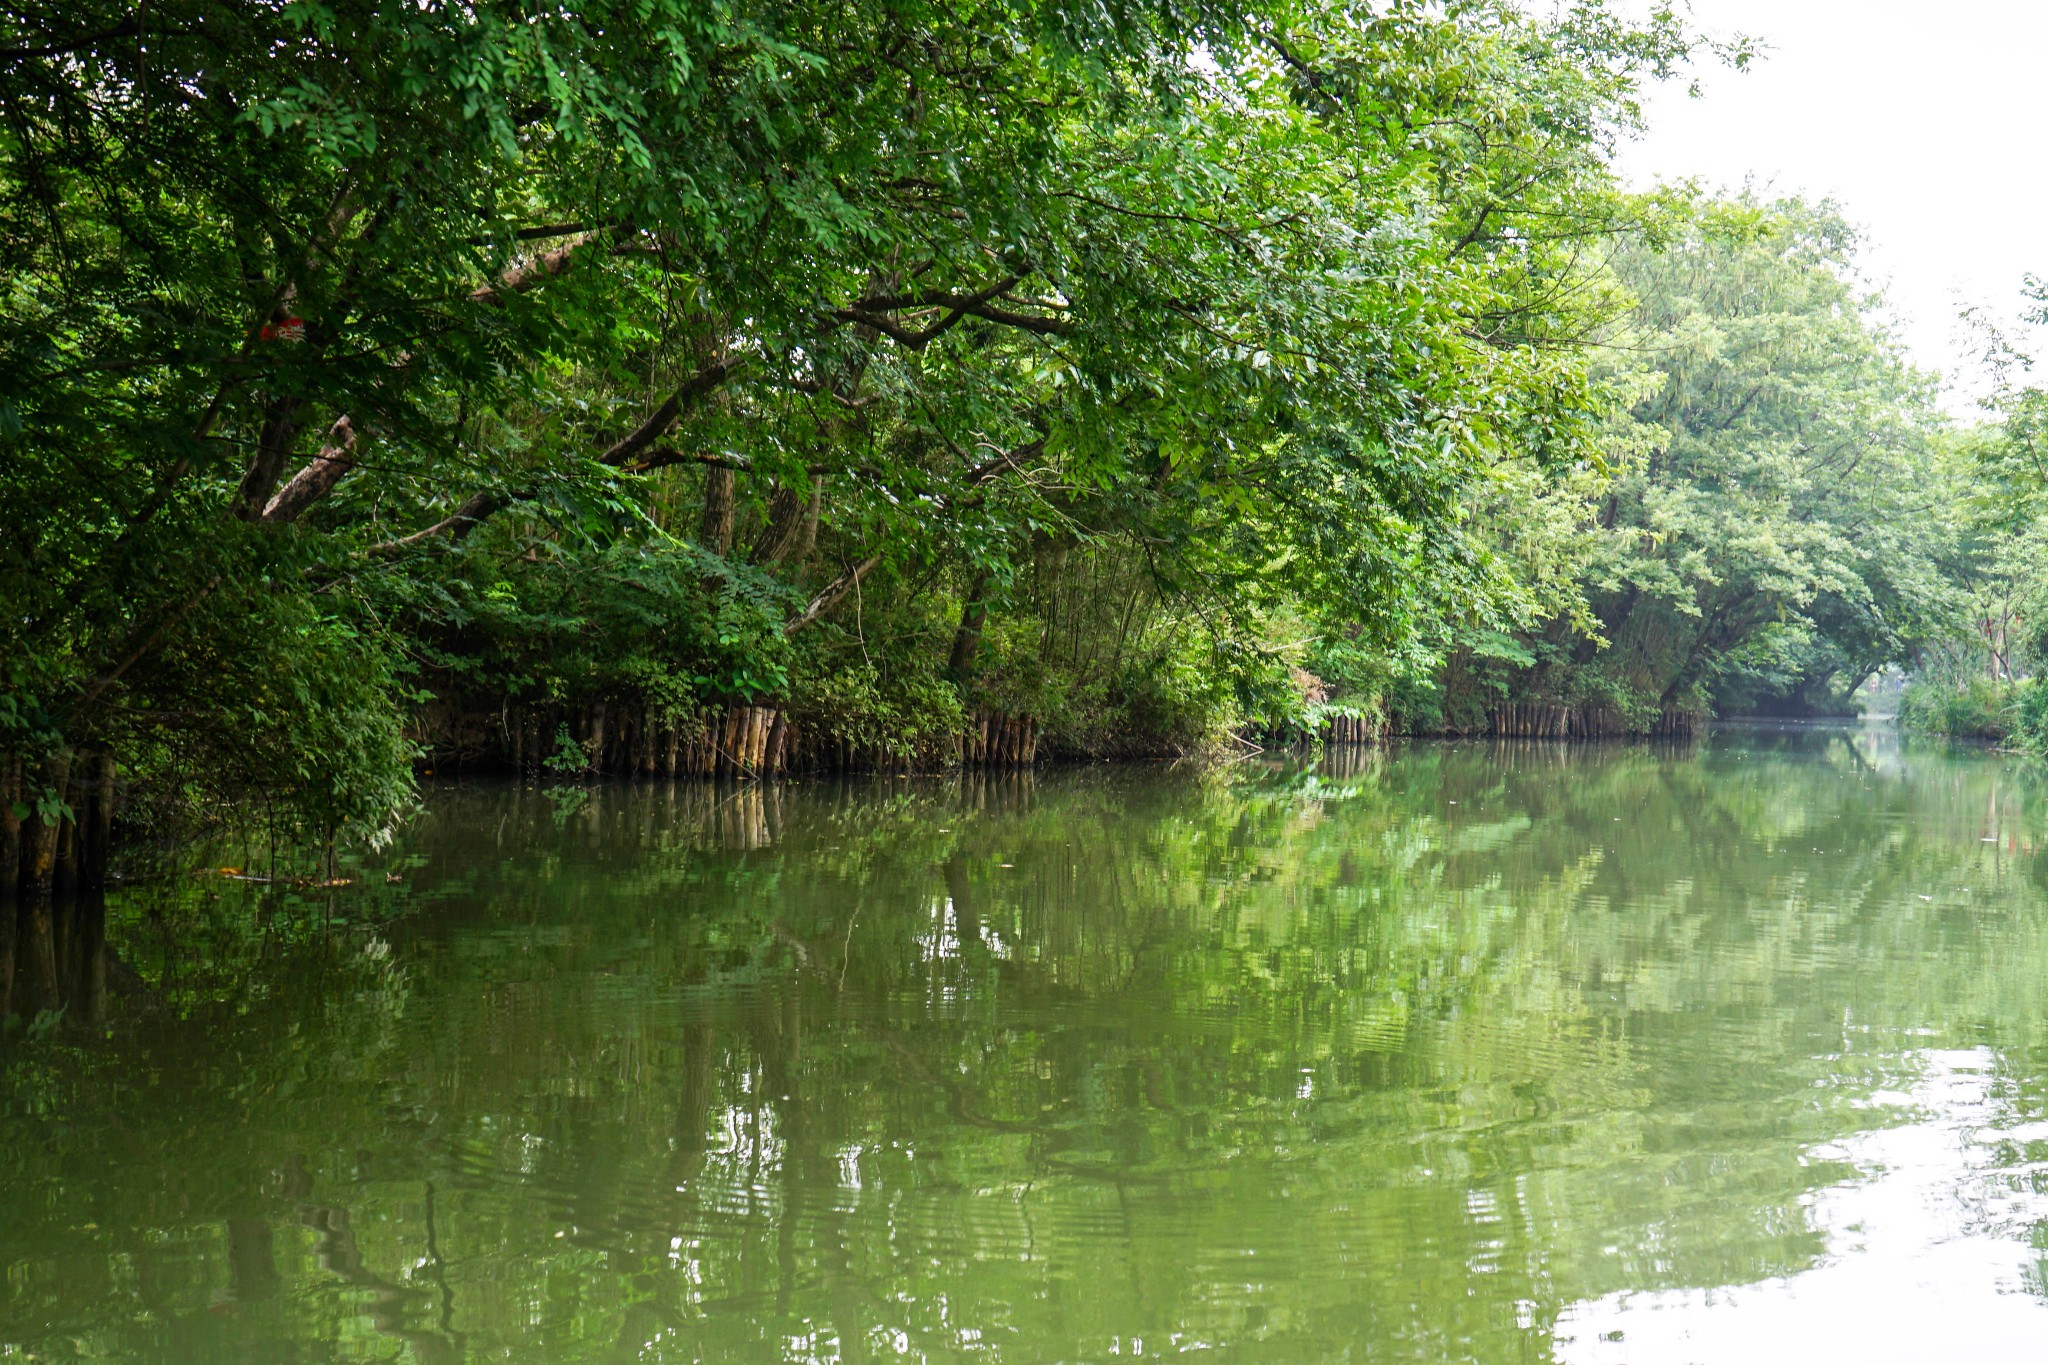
x,y
1337,731
1599,722
1353,730
746,741
1673,724
994,740
615,739
1532,720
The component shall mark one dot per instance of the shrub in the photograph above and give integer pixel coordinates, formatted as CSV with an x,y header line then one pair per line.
x,y
1982,708
2030,715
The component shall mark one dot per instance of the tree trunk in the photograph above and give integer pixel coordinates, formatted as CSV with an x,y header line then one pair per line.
x,y
786,516
750,725
807,541
98,830
10,843
594,745
318,477
274,442
9,931
967,639
829,595
715,531
68,858
43,835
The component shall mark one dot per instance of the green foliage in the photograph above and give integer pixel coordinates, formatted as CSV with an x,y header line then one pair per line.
x,y
910,717
2001,637
363,364
1982,708
2030,715
1783,513
567,757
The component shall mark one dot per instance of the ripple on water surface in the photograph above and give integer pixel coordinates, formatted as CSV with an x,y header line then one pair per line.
x,y
1532,1053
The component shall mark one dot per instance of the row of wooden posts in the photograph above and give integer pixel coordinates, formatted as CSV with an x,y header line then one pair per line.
x,y
69,850
61,849
1353,730
1335,730
999,741
1531,721
1535,720
734,741
638,741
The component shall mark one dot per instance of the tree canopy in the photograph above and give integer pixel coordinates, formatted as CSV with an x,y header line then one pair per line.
x,y
392,384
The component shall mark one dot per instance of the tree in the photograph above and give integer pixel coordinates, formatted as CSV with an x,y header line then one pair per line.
x,y
360,350
1789,525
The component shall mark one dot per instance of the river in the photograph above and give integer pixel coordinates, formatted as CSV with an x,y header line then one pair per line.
x,y
1610,1054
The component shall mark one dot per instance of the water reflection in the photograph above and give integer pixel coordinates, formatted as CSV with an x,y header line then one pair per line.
x,y
53,963
1928,1250
1481,1052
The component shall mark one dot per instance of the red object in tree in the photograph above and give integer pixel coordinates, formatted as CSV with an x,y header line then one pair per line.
x,y
285,329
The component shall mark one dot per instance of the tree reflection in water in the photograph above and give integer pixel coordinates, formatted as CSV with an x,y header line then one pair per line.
x,y
1438,1054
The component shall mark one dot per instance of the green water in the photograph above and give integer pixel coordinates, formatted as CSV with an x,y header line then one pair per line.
x,y
1620,1054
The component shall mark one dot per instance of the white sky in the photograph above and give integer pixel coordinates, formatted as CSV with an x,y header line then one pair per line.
x,y
1922,120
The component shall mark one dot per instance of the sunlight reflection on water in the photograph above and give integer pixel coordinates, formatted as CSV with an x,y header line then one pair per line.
x,y
1921,1261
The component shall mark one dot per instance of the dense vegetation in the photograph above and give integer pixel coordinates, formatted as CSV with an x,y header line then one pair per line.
x,y
672,387
1788,524
1980,677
